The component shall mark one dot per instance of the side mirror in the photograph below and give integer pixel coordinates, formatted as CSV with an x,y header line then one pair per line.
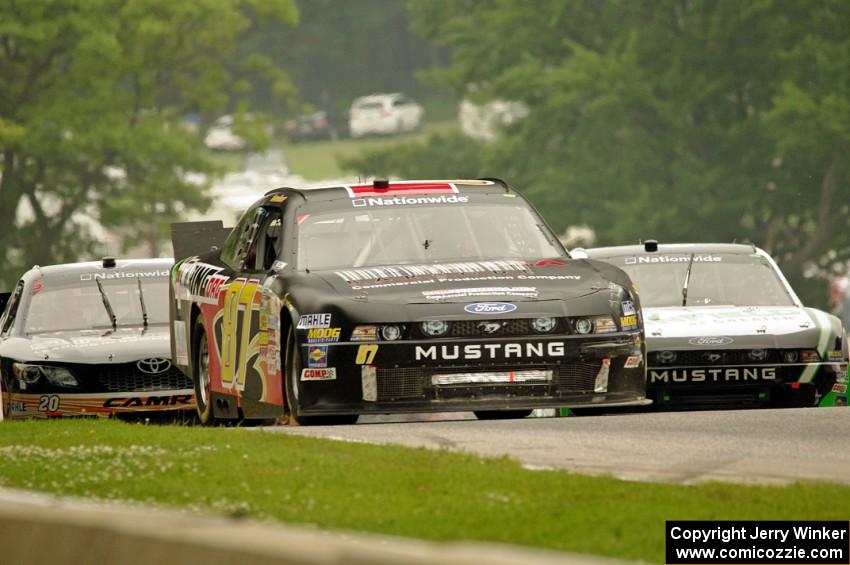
x,y
4,299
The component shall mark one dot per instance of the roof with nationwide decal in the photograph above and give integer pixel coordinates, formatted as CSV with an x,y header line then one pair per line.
x,y
667,248
380,188
90,270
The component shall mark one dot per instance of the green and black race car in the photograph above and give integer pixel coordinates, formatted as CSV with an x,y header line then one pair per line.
x,y
724,327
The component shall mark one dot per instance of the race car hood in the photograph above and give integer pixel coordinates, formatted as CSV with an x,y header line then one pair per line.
x,y
514,281
89,346
732,327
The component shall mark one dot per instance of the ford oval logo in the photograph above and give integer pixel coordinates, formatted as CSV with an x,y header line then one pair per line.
x,y
710,341
490,308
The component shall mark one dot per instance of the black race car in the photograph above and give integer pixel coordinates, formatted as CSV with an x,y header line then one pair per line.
x,y
390,297
90,339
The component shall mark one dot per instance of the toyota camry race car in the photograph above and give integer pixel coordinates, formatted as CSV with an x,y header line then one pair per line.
x,y
399,297
723,326
90,339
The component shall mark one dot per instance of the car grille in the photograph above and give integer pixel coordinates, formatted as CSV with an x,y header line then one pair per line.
x,y
702,358
412,382
126,377
476,328
578,377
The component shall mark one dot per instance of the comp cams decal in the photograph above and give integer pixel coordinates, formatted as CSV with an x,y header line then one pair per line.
x,y
326,374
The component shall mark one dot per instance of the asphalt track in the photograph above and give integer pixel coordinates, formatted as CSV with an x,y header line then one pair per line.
x,y
746,446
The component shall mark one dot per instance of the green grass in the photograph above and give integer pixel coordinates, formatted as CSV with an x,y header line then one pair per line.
x,y
391,490
319,160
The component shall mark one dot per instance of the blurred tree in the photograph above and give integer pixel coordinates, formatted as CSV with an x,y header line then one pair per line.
x,y
91,117
344,49
679,120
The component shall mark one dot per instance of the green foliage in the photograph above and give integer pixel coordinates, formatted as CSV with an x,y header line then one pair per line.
x,y
683,121
383,489
90,119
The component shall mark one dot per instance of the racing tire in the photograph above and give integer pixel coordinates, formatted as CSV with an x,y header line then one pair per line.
x,y
501,414
201,371
292,376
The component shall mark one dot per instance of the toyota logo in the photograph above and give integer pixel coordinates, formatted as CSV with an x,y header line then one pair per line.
x,y
154,365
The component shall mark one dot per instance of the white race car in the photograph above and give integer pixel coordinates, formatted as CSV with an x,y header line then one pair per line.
x,y
724,327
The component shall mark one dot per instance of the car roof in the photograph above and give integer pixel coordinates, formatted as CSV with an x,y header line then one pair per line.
x,y
72,271
394,188
677,248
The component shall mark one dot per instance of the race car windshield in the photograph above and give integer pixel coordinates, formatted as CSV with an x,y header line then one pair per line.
x,y
421,234
716,279
80,307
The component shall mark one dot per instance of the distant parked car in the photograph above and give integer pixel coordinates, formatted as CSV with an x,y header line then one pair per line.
x,y
319,125
384,114
221,137
90,339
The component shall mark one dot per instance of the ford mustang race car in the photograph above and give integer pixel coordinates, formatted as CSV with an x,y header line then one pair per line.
x,y
416,296
723,326
90,339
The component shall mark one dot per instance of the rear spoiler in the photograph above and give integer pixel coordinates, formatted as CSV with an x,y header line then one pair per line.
x,y
195,238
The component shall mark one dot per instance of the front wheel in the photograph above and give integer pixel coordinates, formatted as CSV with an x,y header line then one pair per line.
x,y
501,414
201,382
292,378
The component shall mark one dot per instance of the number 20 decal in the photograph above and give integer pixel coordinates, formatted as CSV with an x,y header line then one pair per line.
x,y
48,403
236,332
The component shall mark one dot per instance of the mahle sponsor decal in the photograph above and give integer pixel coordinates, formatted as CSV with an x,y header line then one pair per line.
x,y
489,308
309,321
726,374
476,351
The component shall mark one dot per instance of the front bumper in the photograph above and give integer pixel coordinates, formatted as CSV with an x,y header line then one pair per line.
x,y
779,384
437,375
18,405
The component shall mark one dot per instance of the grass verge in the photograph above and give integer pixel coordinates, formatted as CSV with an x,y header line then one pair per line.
x,y
390,490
